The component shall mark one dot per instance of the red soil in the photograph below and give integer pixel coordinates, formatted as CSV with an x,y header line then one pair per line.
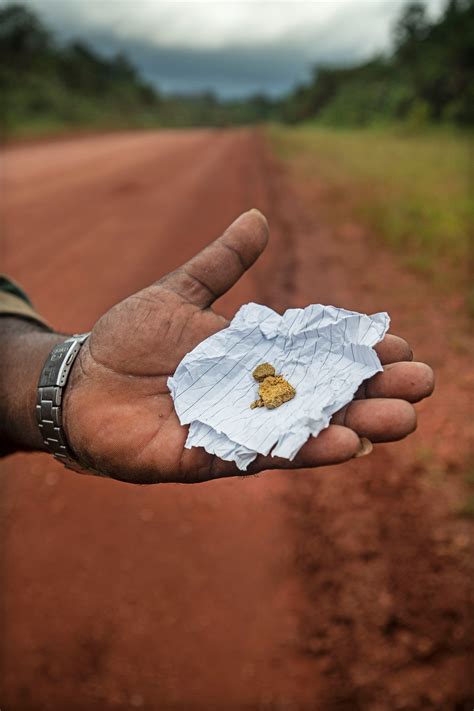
x,y
345,588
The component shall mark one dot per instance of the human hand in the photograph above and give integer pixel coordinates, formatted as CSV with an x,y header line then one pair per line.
x,y
118,413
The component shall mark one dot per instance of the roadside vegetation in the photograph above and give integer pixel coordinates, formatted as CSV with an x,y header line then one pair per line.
x,y
391,141
413,189
427,78
49,86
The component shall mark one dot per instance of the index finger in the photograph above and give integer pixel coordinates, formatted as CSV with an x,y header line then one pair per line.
x,y
393,349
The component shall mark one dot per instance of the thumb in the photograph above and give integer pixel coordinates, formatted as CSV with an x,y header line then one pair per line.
x,y
216,268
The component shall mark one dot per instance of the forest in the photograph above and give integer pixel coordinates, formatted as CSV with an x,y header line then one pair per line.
x,y
428,76
48,86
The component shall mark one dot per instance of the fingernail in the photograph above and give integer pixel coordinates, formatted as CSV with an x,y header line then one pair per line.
x,y
366,447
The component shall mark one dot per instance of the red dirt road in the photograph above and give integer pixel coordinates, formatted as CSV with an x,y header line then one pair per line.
x,y
340,589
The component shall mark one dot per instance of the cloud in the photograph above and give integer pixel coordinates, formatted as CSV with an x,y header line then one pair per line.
x,y
231,47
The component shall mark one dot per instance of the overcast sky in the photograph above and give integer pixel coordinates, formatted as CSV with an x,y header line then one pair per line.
x,y
233,47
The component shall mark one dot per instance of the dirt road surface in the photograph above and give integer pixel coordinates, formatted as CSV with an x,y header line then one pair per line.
x,y
344,588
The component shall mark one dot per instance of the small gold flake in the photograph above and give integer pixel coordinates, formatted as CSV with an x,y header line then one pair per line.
x,y
263,371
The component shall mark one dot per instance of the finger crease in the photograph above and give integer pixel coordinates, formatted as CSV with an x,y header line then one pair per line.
x,y
202,284
237,254
344,415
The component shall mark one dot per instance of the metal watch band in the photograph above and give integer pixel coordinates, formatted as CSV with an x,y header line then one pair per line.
x,y
51,385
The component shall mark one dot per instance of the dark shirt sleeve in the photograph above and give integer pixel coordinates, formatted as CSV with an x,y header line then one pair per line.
x,y
14,302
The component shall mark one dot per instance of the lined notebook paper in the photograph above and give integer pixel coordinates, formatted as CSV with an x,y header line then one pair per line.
x,y
323,351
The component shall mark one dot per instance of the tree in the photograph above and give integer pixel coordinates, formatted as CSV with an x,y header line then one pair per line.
x,y
411,28
21,33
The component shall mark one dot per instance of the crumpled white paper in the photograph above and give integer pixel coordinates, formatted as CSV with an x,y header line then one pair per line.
x,y
323,351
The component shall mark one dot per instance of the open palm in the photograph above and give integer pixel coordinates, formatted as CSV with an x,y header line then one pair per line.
x,y
118,413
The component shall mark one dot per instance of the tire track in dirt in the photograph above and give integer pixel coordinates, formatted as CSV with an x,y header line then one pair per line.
x,y
384,557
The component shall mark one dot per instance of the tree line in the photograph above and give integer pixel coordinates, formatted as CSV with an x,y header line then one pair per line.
x,y
48,85
44,82
428,77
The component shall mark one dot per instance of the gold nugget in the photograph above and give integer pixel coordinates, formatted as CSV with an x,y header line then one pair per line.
x,y
273,390
263,371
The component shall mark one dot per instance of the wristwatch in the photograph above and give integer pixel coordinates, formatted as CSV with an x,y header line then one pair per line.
x,y
51,386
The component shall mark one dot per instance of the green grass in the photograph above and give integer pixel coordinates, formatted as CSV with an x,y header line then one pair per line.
x,y
53,125
412,189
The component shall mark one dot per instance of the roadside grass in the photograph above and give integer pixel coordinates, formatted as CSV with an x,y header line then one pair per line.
x,y
414,190
52,126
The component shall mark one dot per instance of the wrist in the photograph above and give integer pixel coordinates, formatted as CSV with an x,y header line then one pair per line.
x,y
24,348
